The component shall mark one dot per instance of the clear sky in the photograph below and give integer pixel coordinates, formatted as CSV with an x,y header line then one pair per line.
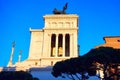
x,y
97,18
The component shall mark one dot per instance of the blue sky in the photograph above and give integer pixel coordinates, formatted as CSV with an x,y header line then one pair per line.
x,y
97,18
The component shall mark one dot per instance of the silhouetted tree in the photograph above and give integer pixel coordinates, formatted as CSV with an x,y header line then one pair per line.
x,y
103,57
72,68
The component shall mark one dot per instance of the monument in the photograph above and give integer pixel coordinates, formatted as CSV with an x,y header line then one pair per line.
x,y
57,41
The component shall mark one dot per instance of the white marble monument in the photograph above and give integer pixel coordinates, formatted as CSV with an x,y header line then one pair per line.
x,y
57,41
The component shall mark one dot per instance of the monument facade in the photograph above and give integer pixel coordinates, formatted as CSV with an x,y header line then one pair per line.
x,y
57,41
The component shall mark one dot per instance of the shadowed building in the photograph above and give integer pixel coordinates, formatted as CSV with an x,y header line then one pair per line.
x,y
111,41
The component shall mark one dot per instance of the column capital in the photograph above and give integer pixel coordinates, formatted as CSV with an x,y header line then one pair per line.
x,y
68,33
57,34
64,34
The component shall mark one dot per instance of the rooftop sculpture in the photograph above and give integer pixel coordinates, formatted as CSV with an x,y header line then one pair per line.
x,y
55,11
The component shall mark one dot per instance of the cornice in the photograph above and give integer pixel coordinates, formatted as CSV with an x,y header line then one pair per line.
x,y
36,30
61,16
61,28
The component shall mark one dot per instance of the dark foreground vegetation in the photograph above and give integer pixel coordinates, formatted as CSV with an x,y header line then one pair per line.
x,y
103,59
16,75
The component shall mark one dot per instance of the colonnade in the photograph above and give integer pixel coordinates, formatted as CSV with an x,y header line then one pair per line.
x,y
61,45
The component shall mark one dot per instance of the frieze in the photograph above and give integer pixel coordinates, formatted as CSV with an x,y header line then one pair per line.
x,y
60,24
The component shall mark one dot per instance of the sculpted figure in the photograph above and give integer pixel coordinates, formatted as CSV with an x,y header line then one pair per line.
x,y
55,11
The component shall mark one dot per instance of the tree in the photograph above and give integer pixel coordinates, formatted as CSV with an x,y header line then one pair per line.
x,y
106,56
71,68
96,59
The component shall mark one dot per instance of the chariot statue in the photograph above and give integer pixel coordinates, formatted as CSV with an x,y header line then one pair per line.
x,y
55,11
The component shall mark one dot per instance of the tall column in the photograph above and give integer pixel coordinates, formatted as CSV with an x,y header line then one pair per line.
x,y
19,57
71,45
49,44
56,45
10,63
63,45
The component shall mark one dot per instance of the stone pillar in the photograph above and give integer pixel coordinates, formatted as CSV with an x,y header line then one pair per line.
x,y
49,45
71,45
63,45
56,45
19,57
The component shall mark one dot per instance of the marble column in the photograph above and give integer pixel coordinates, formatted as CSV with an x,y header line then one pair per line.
x,y
50,36
71,45
63,45
56,45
